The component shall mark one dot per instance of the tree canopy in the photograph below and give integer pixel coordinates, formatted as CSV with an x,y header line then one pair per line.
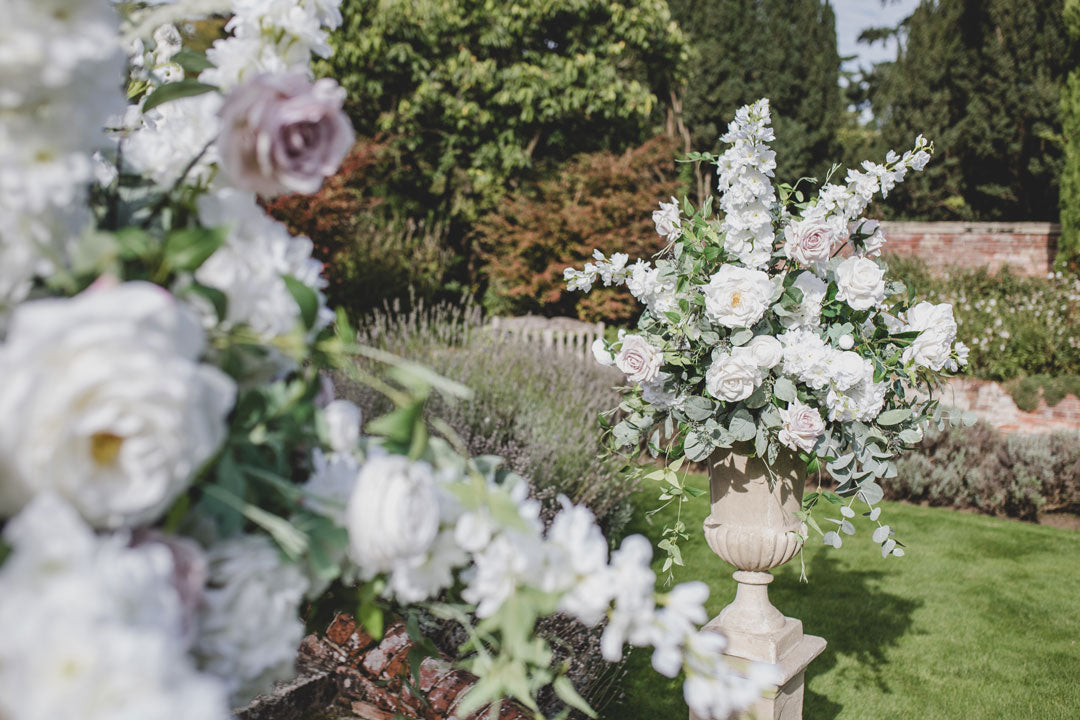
x,y
476,92
982,79
781,49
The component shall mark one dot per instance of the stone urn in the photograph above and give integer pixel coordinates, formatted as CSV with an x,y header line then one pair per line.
x,y
753,526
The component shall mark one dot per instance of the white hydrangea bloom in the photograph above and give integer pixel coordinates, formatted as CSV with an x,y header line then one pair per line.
x,y
92,627
249,627
806,357
107,404
174,138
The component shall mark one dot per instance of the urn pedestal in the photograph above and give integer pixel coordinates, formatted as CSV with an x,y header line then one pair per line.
x,y
753,526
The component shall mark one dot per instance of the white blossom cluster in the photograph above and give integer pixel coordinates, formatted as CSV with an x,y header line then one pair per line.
x,y
405,520
59,59
747,194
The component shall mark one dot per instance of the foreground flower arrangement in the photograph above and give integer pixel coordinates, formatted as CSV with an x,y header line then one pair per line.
x,y
177,480
771,327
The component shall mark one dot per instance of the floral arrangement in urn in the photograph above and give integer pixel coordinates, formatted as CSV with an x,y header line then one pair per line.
x,y
771,326
177,480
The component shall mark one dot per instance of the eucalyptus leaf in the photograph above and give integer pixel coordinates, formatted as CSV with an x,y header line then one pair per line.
x,y
741,337
894,417
784,390
742,426
175,91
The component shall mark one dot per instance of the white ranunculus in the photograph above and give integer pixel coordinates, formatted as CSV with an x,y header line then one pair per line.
x,y
937,331
667,220
767,351
809,243
733,376
847,368
105,402
737,297
601,354
393,514
249,627
860,283
638,359
802,426
343,420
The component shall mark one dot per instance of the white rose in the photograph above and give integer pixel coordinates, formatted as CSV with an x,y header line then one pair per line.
x,y
809,242
667,220
737,297
937,328
847,368
249,628
601,353
733,376
766,350
638,359
393,514
860,283
343,420
802,426
106,403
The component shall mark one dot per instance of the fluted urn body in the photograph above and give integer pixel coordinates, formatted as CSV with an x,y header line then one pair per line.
x,y
753,525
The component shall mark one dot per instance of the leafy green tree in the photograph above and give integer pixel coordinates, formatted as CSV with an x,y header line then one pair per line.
x,y
475,93
784,50
982,79
1069,244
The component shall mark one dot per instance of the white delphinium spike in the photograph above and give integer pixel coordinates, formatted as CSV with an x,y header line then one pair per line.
x,y
746,193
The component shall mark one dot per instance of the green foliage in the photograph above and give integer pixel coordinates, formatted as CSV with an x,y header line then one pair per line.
x,y
983,78
1069,242
476,93
969,625
1015,326
979,468
784,50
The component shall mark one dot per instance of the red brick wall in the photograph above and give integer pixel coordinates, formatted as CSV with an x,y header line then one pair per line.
x,y
995,406
1027,248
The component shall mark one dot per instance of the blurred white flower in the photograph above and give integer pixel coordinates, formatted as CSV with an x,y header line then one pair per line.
x,y
107,404
250,627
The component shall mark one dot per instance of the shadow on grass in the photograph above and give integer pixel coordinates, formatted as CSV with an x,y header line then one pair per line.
x,y
847,607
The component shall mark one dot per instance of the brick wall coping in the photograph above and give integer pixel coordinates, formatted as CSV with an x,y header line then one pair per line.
x,y
973,228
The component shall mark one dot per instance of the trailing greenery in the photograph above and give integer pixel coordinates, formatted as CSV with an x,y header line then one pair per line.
x,y
1069,242
983,79
1015,326
982,469
784,50
908,640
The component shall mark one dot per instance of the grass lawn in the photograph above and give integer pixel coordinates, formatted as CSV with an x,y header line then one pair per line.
x,y
981,619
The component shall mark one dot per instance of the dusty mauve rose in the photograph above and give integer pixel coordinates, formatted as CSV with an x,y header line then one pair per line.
x,y
810,243
283,133
638,359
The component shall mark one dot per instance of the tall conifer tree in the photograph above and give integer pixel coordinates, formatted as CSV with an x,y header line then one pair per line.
x,y
1069,245
781,49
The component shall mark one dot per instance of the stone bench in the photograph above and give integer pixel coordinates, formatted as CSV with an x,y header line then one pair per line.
x,y
561,334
